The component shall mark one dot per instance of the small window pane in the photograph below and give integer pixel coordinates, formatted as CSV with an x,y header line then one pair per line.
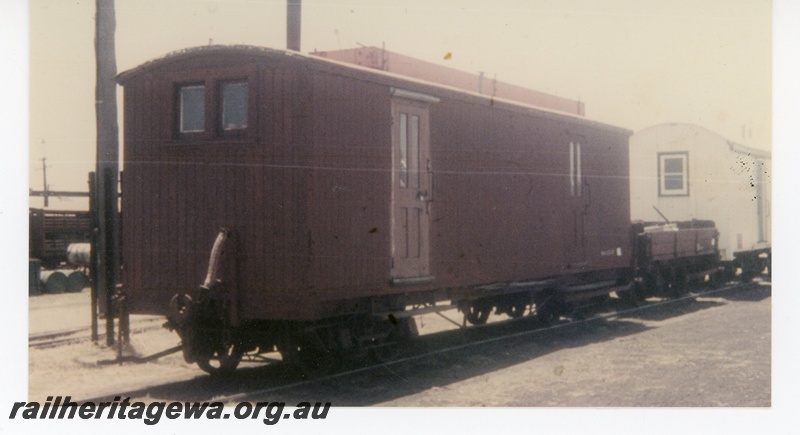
x,y
572,168
403,169
578,170
193,108
575,169
413,158
673,182
672,166
234,106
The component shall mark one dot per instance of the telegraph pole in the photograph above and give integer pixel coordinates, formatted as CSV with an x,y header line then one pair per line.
x,y
44,174
107,159
293,20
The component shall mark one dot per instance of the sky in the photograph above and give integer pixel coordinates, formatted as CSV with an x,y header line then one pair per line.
x,y
634,64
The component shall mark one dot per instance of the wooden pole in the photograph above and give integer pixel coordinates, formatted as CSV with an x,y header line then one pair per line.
x,y
93,264
44,174
107,158
293,21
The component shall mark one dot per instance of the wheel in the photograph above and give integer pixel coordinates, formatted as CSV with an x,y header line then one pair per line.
x,y
308,354
223,361
768,265
517,310
715,280
549,310
728,274
477,313
750,269
660,283
389,338
635,295
680,282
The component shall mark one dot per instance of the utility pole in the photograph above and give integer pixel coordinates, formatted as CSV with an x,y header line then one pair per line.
x,y
107,159
293,10
44,174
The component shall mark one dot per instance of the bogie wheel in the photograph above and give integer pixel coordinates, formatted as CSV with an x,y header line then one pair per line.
x,y
750,269
477,313
549,310
658,283
768,266
715,280
396,335
635,295
223,361
680,282
308,354
728,273
517,310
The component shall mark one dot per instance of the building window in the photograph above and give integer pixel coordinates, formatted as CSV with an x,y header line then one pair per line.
x,y
192,108
234,106
673,174
575,169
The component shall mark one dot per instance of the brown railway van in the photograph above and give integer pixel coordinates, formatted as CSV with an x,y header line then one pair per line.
x,y
340,182
348,190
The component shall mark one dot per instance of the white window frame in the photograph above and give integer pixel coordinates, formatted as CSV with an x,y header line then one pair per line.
x,y
663,174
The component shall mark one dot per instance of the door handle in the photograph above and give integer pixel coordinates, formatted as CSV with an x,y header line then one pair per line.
x,y
427,195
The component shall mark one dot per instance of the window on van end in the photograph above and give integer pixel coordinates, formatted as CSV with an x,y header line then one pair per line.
x,y
575,169
673,174
192,108
234,106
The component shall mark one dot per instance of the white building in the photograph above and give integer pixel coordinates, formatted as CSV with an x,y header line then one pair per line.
x,y
688,172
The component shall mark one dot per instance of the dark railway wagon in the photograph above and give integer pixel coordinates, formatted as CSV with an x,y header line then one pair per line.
x,y
52,231
347,191
669,256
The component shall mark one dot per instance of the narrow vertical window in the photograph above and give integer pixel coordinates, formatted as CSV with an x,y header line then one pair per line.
x,y
403,169
578,170
192,108
572,168
673,177
234,106
575,170
413,153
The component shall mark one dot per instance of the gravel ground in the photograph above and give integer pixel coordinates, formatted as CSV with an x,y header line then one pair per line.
x,y
52,312
707,352
716,353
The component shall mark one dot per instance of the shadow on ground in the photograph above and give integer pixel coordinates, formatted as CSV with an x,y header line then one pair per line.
x,y
424,371
479,351
659,312
751,292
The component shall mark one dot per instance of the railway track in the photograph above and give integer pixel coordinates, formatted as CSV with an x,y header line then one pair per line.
x,y
250,384
77,335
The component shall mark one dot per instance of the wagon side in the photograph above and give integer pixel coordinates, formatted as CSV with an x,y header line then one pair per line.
x,y
338,195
